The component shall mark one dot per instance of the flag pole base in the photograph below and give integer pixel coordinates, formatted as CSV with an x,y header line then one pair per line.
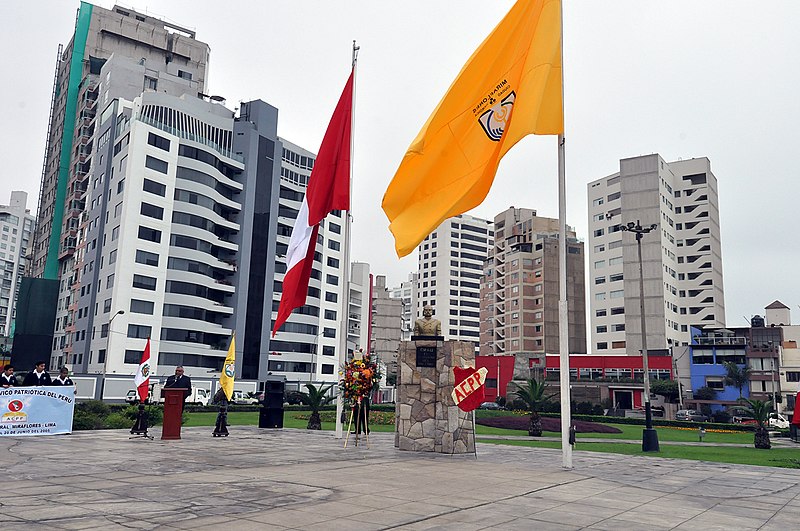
x,y
139,429
221,427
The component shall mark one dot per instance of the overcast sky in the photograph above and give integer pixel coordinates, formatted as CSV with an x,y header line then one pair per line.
x,y
682,78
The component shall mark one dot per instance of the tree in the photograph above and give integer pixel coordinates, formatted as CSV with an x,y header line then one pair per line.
x,y
666,388
532,395
760,411
736,376
315,398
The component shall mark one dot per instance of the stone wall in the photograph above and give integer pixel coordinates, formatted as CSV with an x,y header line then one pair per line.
x,y
427,418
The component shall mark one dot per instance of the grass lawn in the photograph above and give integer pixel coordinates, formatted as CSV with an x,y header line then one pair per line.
x,y
670,434
778,457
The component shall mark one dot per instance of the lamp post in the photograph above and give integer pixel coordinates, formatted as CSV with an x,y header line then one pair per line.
x,y
773,366
649,435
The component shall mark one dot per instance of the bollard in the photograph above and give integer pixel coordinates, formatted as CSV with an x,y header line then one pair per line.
x,y
702,433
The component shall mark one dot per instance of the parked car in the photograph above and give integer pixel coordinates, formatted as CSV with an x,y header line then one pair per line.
x,y
199,397
776,420
691,415
240,397
490,405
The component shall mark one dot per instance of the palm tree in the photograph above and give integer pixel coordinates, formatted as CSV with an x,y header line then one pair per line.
x,y
760,411
736,376
532,394
315,398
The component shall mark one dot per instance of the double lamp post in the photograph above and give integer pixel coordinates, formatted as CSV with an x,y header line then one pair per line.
x,y
649,435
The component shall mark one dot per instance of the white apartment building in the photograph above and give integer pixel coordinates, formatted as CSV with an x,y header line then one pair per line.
x,y
451,263
306,347
682,259
405,292
16,227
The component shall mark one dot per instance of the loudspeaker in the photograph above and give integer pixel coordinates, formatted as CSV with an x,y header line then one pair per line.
x,y
270,417
273,394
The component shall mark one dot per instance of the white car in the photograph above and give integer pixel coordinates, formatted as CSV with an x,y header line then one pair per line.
x,y
239,397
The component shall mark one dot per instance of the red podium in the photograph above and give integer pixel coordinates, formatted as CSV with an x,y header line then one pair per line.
x,y
173,411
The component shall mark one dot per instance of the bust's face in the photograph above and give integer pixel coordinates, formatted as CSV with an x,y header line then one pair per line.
x,y
427,312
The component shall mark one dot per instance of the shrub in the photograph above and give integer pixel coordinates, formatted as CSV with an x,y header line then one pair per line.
x,y
512,422
598,410
582,408
500,401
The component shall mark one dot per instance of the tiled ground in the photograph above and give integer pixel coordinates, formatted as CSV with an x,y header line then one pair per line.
x,y
279,479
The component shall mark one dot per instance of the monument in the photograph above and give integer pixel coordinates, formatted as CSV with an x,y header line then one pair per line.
x,y
428,419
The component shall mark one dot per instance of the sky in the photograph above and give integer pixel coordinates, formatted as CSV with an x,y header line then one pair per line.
x,y
684,79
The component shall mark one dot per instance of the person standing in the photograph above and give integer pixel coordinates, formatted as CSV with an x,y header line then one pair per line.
x,y
180,380
38,376
64,379
7,379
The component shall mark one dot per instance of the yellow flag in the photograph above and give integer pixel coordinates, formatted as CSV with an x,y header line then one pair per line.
x,y
229,369
509,88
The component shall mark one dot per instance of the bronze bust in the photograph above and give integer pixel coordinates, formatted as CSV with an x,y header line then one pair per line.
x,y
427,326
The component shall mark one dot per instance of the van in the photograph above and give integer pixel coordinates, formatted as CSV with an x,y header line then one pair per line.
x,y
240,397
198,397
776,420
132,397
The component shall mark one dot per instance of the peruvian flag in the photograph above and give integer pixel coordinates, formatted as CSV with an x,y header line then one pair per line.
x,y
142,379
328,189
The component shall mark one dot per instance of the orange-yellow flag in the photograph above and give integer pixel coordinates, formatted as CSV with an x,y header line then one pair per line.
x,y
509,88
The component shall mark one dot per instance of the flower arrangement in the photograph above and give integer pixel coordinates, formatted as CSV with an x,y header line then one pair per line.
x,y
359,376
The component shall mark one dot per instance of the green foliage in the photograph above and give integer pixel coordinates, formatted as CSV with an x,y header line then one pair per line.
x,y
757,409
391,379
316,397
660,422
532,396
736,376
705,393
97,415
500,401
666,388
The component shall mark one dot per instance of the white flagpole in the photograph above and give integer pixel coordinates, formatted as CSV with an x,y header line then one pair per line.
x,y
563,313
345,312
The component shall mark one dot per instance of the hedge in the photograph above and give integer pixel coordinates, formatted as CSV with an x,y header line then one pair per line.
x,y
660,422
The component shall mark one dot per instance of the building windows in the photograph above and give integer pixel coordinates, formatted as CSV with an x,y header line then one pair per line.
x,y
112,257
156,164
333,262
617,344
139,331
603,345
133,356
597,202
154,187
139,306
600,313
600,280
618,327
151,211
143,282
146,258
599,232
327,368
599,264
115,233
332,279
602,329
331,297
616,294
600,296
332,244
158,141
150,235
330,314
107,306
328,350
615,277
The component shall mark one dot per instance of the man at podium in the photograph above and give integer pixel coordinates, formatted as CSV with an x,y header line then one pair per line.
x,y
180,380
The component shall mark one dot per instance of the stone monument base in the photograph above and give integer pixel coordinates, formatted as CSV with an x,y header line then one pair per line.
x,y
427,418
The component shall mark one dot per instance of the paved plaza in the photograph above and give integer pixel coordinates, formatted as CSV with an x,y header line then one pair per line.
x,y
295,479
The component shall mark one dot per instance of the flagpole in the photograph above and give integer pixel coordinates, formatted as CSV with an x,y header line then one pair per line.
x,y
563,308
345,313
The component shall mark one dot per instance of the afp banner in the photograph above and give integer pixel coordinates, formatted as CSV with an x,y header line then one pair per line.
x,y
36,410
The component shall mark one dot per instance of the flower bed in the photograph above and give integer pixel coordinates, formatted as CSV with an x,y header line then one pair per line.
x,y
514,422
375,417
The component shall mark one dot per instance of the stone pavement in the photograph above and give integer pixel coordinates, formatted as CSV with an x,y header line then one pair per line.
x,y
295,479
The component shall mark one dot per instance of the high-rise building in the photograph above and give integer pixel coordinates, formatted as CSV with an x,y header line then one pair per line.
x,y
387,322
520,288
405,292
451,261
16,228
681,258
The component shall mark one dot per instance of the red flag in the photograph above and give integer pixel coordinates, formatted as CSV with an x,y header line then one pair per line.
x,y
328,189
142,378
796,415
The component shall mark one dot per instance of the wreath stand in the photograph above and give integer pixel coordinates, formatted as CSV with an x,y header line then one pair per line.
x,y
350,423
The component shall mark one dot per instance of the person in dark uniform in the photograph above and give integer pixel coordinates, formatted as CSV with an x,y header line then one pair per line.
x,y
38,376
7,379
63,378
180,380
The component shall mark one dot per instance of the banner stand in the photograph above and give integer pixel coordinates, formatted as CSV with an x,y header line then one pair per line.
x,y
221,428
139,429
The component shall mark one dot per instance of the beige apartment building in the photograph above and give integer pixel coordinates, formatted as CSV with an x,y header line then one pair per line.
x,y
520,287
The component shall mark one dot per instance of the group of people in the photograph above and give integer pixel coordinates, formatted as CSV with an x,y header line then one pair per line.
x,y
38,376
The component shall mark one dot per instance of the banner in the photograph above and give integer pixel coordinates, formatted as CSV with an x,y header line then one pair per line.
x,y
36,410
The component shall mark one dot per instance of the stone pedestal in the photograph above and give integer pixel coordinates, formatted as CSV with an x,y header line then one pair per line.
x,y
427,418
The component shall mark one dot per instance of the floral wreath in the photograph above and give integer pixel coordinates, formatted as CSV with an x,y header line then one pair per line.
x,y
359,376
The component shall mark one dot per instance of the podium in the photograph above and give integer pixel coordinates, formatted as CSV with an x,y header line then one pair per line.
x,y
173,412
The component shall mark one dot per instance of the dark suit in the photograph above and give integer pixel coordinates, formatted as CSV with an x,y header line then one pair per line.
x,y
183,381
5,381
57,382
32,380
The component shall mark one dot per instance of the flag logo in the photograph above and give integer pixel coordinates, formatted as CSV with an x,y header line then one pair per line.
x,y
145,370
230,370
494,120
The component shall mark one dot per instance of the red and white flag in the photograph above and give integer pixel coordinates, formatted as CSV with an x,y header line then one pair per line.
x,y
142,379
328,189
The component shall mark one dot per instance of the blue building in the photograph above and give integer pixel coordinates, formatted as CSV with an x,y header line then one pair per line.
x,y
710,349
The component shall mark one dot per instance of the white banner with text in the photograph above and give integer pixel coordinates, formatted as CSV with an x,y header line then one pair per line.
x,y
36,410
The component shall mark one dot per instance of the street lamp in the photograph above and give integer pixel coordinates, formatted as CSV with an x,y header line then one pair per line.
x,y
649,435
108,340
